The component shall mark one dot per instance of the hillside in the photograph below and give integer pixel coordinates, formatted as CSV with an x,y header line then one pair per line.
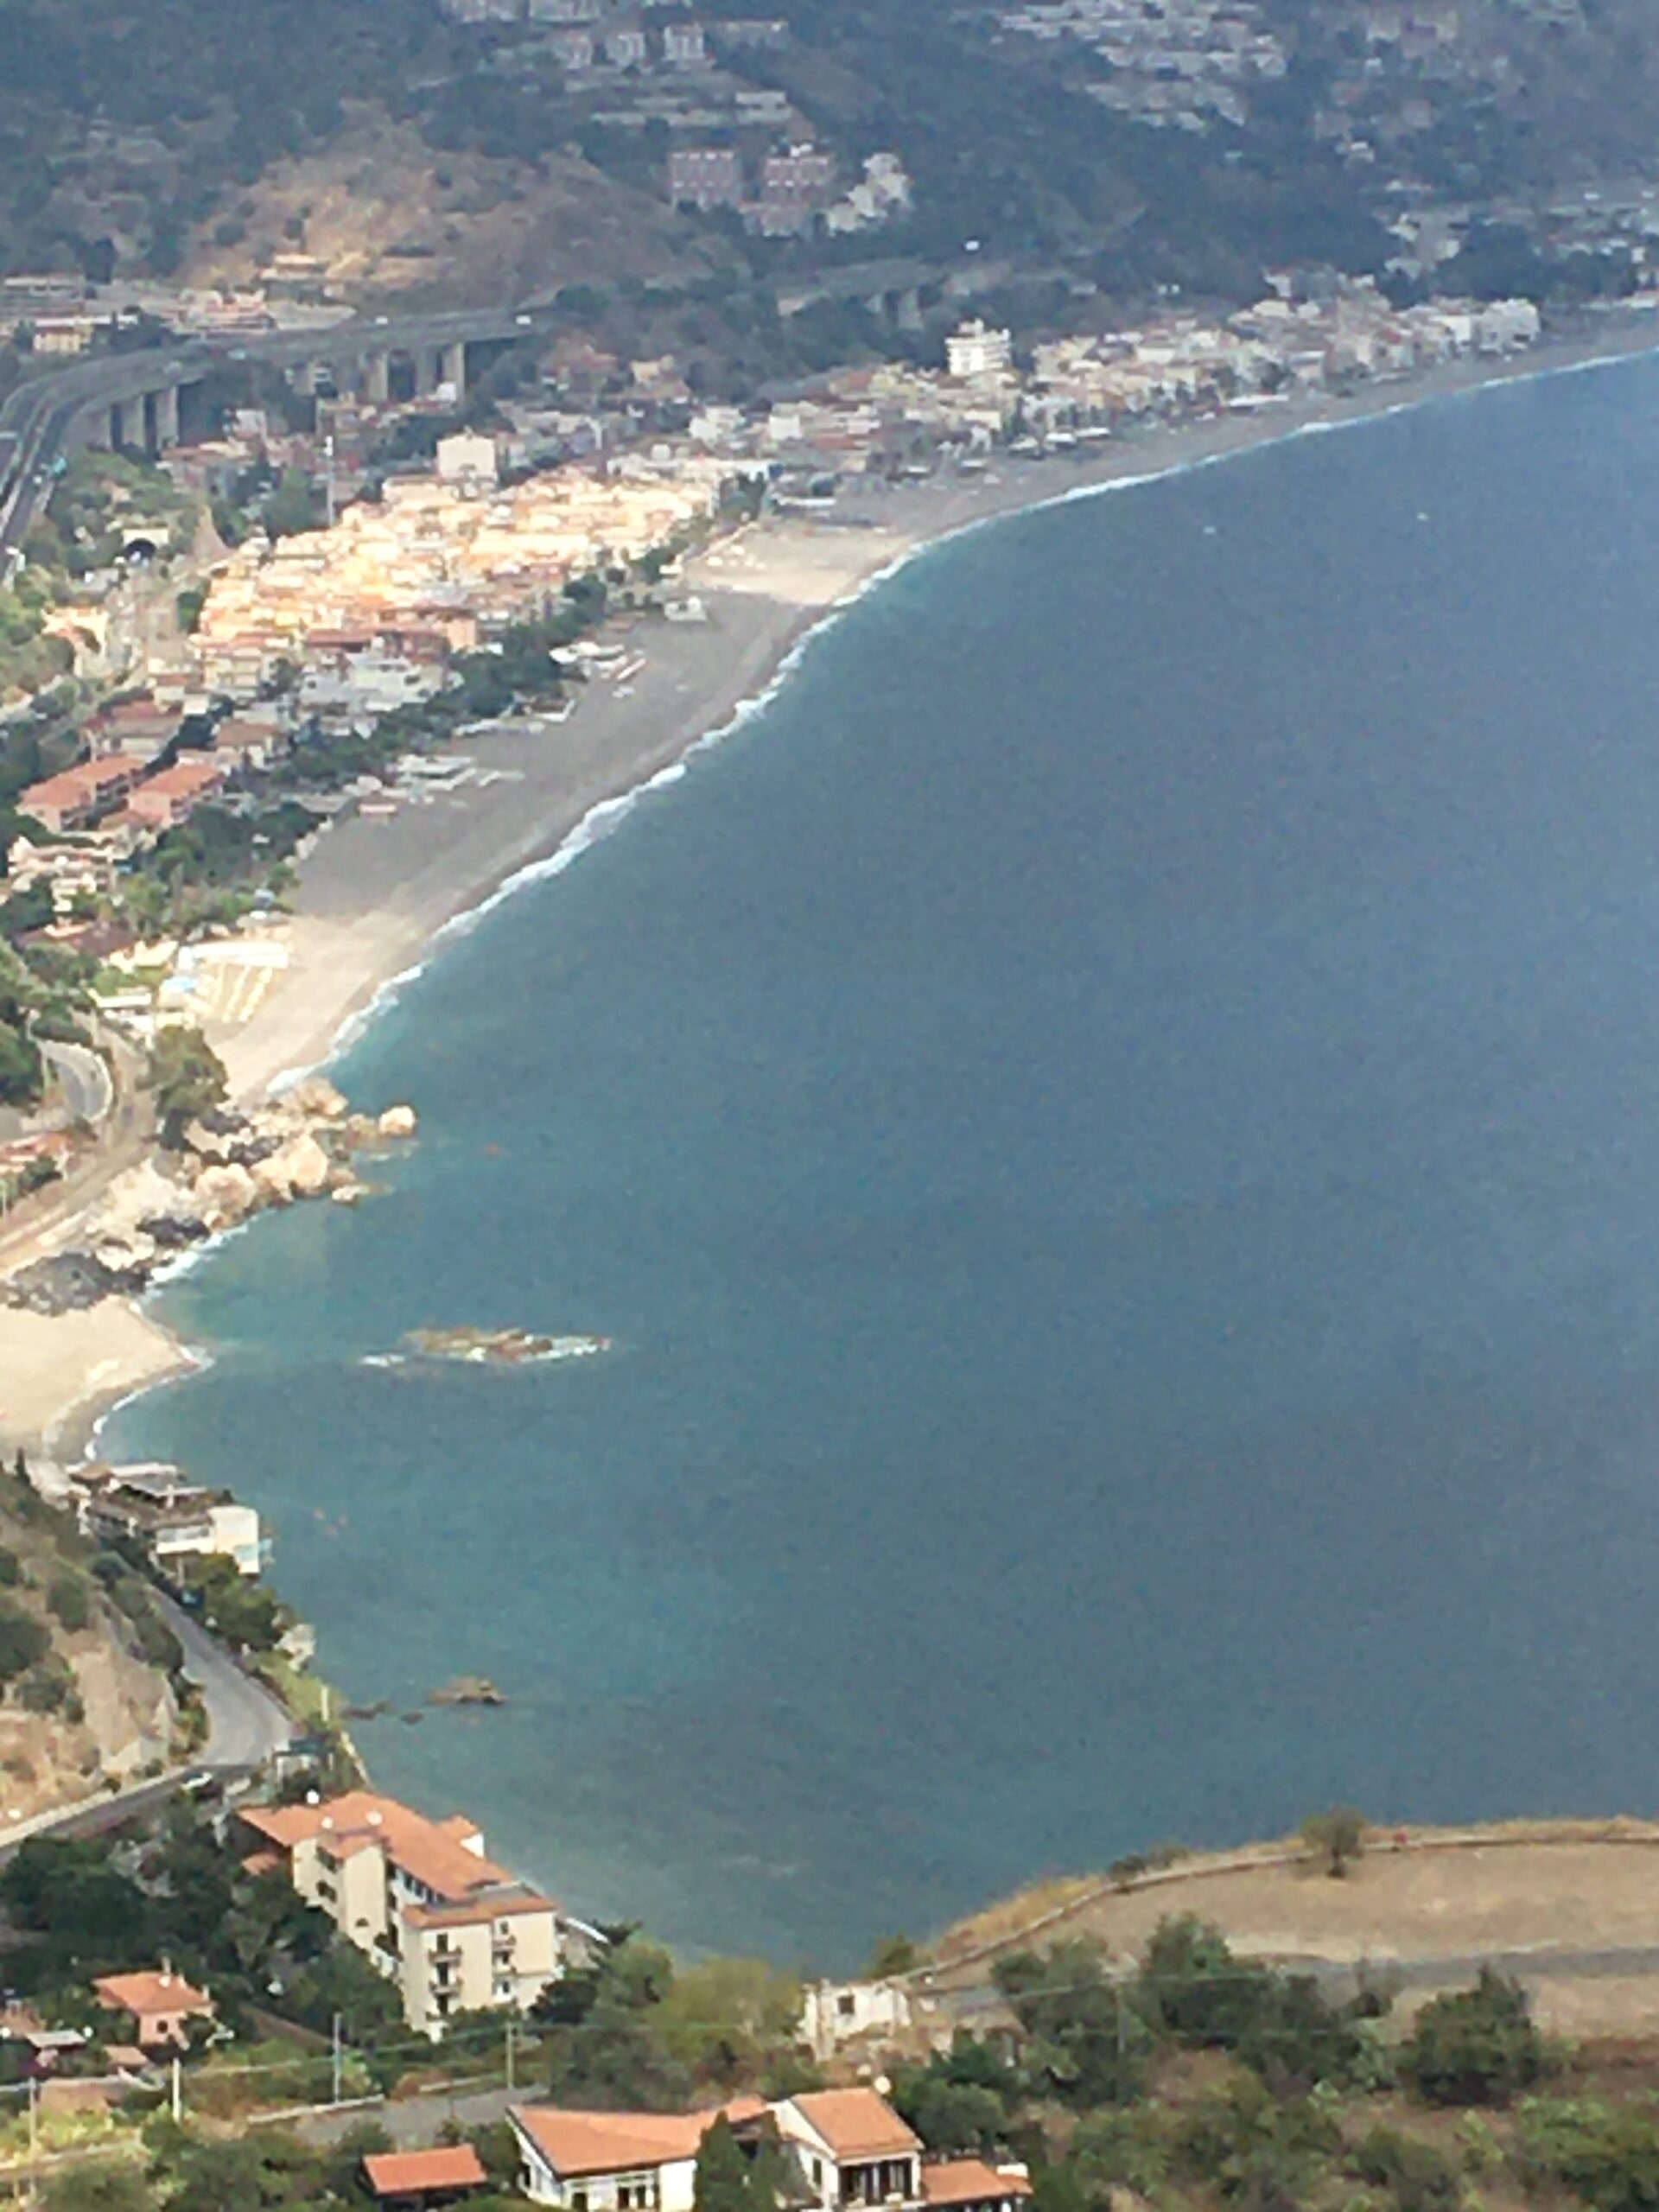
x,y
412,152
85,1690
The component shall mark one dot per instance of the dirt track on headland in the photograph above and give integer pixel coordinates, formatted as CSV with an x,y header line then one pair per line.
x,y
1572,1906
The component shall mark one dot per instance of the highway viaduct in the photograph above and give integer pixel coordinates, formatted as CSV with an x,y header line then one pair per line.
x,y
133,400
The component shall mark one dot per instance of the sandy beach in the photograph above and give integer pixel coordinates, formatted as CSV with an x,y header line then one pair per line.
x,y
375,890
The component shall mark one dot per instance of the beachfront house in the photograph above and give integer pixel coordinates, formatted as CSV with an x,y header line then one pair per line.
x,y
454,1931
170,1518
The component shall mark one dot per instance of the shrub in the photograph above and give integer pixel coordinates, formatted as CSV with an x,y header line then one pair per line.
x,y
1608,2155
50,1688
1417,2177
22,1643
1474,2047
11,1569
68,1602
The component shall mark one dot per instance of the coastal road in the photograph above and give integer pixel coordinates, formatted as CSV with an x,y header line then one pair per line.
x,y
245,1723
83,1078
415,2123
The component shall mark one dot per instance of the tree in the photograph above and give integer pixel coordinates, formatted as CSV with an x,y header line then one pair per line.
x,y
1280,2026
604,2037
22,1642
1474,2046
729,2020
88,1915
723,2176
292,507
1419,2178
1253,2150
68,1602
240,1612
187,1077
1606,2155
1336,1837
98,2188
1086,2043
893,1955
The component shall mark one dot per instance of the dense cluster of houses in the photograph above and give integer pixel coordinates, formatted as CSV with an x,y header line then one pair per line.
x,y
395,587
133,784
835,2150
1180,63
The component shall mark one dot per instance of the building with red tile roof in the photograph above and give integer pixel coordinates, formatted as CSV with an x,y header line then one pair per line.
x,y
616,2161
163,2004
78,797
972,2185
424,2177
454,1930
164,801
845,2148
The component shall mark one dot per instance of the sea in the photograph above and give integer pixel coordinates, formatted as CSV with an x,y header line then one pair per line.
x,y
1114,1124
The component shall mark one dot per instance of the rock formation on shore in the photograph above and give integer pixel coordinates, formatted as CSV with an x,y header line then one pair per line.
x,y
233,1164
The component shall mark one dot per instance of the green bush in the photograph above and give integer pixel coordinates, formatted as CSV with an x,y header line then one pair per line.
x,y
1417,2177
11,1569
68,1602
50,1688
1475,2047
1608,2155
22,1643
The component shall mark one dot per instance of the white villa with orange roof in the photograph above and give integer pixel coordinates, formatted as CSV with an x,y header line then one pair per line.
x,y
616,2161
455,1931
851,2148
844,2147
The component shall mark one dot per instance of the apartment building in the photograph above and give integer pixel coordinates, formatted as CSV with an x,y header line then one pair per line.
x,y
706,177
174,795
453,1931
79,798
972,350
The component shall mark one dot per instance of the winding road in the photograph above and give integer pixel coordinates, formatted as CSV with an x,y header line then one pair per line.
x,y
83,1078
245,1725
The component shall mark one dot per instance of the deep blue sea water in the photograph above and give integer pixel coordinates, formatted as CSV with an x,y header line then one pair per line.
x,y
1116,1126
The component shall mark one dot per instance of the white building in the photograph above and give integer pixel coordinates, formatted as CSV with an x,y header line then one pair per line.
x,y
973,349
615,2161
173,1520
837,2012
468,459
850,2148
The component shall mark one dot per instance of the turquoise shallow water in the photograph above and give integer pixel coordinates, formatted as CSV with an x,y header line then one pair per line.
x,y
1116,1127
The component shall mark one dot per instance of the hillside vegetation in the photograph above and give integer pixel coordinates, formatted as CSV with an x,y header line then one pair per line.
x,y
412,152
90,1687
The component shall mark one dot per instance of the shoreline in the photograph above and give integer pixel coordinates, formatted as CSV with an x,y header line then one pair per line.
x,y
800,572
379,899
